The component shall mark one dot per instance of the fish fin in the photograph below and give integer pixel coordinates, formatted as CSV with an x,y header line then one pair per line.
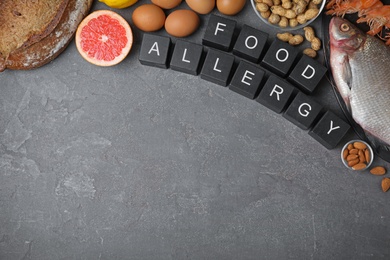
x,y
347,72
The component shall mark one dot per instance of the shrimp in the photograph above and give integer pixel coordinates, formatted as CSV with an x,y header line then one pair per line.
x,y
377,19
342,7
372,12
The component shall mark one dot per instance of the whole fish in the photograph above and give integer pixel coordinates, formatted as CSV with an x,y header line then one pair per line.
x,y
360,67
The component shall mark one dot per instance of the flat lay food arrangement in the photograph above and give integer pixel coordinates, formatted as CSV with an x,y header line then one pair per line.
x,y
140,112
104,38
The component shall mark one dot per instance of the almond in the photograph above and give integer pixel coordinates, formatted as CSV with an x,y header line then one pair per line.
x,y
359,145
353,162
362,158
345,154
385,184
367,155
352,157
350,147
378,170
354,151
359,166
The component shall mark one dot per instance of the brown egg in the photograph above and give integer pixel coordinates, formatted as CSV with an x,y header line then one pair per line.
x,y
181,23
167,4
230,7
201,6
149,18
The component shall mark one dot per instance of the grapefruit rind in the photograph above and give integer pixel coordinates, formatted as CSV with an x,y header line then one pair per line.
x,y
80,38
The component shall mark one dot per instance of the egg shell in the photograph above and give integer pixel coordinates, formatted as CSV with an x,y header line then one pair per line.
x,y
201,6
167,4
181,23
148,18
230,7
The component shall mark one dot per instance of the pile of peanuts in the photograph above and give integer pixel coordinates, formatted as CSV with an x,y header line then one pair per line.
x,y
298,39
288,12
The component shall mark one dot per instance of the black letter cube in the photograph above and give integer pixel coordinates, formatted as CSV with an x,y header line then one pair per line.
x,y
247,79
219,32
329,130
250,43
276,93
186,57
154,50
217,67
307,74
303,111
280,57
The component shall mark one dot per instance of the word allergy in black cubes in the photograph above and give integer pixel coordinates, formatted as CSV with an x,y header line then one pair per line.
x,y
307,74
154,50
276,93
217,67
247,79
186,57
330,130
250,44
303,111
280,57
219,32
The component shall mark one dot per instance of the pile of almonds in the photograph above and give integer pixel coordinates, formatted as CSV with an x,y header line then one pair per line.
x,y
358,156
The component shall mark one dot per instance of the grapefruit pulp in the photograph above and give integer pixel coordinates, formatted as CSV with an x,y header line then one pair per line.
x,y
104,38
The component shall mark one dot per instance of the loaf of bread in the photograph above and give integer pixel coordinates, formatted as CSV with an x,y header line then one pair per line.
x,y
51,46
33,32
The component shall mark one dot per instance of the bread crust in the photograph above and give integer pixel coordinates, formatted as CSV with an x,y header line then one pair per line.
x,y
25,22
48,48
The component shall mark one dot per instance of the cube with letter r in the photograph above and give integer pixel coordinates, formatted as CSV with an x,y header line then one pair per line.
x,y
307,74
276,93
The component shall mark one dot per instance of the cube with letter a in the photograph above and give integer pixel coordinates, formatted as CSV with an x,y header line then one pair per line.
x,y
307,74
154,50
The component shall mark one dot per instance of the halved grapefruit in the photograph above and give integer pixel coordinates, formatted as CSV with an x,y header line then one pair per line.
x,y
104,38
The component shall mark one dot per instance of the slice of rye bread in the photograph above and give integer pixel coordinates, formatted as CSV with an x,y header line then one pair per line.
x,y
51,46
25,22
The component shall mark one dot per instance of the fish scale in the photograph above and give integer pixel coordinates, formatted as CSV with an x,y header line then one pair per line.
x,y
369,81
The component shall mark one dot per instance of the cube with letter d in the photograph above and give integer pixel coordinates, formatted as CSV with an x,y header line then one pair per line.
x,y
307,74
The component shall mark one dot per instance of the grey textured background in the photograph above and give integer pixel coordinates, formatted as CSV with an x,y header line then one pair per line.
x,y
135,162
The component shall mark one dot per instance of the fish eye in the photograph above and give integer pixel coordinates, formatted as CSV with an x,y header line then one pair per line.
x,y
344,27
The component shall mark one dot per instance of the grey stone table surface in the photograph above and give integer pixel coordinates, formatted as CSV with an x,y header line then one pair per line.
x,y
136,162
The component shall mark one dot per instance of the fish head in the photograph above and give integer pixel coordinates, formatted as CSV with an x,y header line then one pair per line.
x,y
345,36
345,40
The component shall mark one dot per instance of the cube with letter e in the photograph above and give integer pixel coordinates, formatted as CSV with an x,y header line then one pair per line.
x,y
307,74
247,79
